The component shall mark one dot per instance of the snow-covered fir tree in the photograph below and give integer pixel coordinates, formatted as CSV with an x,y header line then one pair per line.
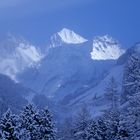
x,y
36,125
130,120
8,127
102,129
131,80
45,125
92,131
82,122
27,122
112,120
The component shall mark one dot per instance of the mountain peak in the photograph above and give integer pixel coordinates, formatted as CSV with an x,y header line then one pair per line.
x,y
106,48
70,37
66,36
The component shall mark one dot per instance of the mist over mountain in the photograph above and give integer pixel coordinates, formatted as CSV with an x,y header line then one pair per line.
x,y
16,55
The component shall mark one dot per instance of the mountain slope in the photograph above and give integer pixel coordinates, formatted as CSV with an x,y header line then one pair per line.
x,y
95,97
69,69
12,95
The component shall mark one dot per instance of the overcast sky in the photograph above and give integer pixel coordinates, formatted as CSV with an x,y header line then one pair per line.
x,y
37,20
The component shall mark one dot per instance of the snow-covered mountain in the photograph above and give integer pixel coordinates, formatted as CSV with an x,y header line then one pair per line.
x,y
66,36
70,69
17,55
105,48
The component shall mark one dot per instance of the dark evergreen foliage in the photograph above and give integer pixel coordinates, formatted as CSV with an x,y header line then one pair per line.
x,y
31,124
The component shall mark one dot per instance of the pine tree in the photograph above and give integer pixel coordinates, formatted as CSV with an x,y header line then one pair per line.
x,y
131,80
27,123
92,131
111,93
8,126
102,129
131,118
131,93
82,121
124,133
36,125
45,125
112,121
